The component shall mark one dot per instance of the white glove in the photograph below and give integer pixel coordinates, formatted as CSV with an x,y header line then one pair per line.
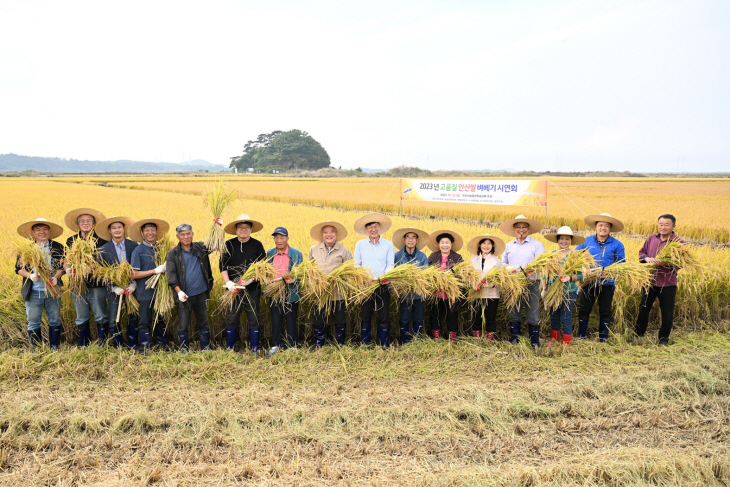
x,y
231,286
246,282
118,290
53,281
564,278
70,271
219,221
132,287
182,296
543,293
160,269
34,276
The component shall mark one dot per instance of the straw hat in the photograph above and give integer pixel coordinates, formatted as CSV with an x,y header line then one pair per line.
x,y
577,239
73,215
102,227
360,223
316,231
473,245
508,227
135,230
616,225
256,226
25,229
455,246
398,235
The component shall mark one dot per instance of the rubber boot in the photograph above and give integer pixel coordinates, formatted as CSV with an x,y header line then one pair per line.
x,y
160,338
84,334
603,330
567,339
101,332
535,336
115,334
554,336
452,336
319,336
476,334
436,334
340,335
36,339
365,334
417,329
54,337
231,338
204,334
144,340
514,331
405,336
489,336
582,328
383,335
132,333
253,337
182,336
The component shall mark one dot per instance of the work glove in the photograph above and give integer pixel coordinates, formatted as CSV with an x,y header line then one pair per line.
x,y
132,287
564,278
34,276
543,293
182,296
231,286
383,282
70,271
160,269
118,290
219,221
53,281
245,283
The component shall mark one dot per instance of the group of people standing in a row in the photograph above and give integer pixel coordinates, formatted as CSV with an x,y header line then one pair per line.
x,y
189,274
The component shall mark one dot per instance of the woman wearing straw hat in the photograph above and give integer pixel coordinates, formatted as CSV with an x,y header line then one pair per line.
x,y
562,316
606,250
445,244
486,249
82,221
409,242
242,251
517,254
378,255
329,253
118,249
35,290
148,232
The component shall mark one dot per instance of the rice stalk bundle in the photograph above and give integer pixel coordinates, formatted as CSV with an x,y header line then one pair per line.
x,y
635,276
511,285
82,258
545,265
470,277
574,262
405,280
679,255
217,200
441,281
261,271
349,281
119,275
314,285
164,301
31,256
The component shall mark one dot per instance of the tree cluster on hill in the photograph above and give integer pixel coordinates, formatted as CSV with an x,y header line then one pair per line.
x,y
282,151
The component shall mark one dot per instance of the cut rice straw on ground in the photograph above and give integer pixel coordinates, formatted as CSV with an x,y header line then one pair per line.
x,y
31,256
217,198
82,258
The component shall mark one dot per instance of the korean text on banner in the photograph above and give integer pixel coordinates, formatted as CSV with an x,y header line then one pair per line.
x,y
490,192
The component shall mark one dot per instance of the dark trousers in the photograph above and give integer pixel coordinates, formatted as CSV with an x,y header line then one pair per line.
x,y
485,315
147,316
588,295
321,317
245,301
197,304
440,309
279,313
379,302
666,297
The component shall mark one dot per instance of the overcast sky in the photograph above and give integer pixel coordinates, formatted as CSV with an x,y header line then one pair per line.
x,y
552,85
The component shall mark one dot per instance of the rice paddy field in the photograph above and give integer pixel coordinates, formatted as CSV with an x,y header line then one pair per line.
x,y
622,413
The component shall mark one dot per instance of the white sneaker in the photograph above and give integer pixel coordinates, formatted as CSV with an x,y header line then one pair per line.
x,y
274,350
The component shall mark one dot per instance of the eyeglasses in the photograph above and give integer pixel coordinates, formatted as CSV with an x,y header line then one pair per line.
x,y
86,221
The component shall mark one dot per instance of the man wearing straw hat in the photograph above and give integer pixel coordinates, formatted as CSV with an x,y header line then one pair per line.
x,y
409,242
329,253
242,251
517,254
377,254
82,221
486,250
118,249
606,250
148,232
35,291
189,274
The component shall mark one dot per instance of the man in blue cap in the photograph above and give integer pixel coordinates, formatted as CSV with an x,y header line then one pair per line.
x,y
283,258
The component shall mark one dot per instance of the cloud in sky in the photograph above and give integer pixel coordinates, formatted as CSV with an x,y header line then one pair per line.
x,y
530,85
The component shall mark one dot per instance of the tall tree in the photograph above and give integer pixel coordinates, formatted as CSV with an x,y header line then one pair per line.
x,y
284,151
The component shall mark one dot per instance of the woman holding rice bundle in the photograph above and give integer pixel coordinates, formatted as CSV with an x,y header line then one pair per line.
x,y
485,249
562,316
445,244
409,242
38,283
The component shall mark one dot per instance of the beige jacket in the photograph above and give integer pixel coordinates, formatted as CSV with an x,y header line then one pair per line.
x,y
489,263
328,263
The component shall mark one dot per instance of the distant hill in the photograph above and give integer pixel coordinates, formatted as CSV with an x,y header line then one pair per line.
x,y
14,162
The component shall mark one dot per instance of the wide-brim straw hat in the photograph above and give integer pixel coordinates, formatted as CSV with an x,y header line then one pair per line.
x,y
577,239
384,221
135,230
456,245
616,224
398,235
102,227
25,229
316,231
73,215
256,226
473,245
508,227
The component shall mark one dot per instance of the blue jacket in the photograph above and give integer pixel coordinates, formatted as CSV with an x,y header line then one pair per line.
x,y
295,258
108,255
606,253
418,259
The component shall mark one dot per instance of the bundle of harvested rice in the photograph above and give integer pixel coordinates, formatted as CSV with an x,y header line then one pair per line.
x,y
633,275
31,256
511,284
119,275
217,199
82,259
679,255
163,298
575,261
261,271
440,281
545,265
349,281
313,283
